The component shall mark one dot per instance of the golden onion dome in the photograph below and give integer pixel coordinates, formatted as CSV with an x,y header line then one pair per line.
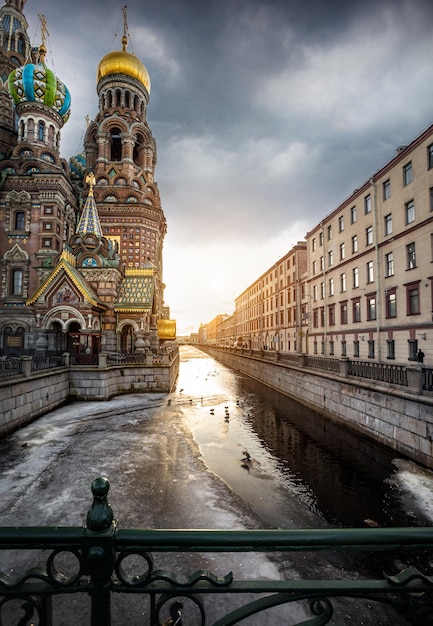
x,y
123,62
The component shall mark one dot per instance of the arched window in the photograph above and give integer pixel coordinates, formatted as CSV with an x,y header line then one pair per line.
x,y
41,131
21,45
116,145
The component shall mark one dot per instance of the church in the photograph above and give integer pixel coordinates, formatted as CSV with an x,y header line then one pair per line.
x,y
81,241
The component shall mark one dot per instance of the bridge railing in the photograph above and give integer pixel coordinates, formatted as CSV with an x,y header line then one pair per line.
x,y
108,561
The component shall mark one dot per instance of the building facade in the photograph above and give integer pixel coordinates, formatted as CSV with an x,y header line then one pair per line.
x,y
271,313
369,264
81,241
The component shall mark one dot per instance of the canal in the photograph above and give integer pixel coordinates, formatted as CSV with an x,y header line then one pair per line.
x,y
178,461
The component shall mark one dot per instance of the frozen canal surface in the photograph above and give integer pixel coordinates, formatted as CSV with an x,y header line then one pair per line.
x,y
175,461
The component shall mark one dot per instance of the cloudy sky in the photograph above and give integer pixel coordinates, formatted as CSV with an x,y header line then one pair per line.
x,y
267,115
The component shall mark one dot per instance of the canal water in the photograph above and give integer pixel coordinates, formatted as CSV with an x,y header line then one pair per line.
x,y
299,460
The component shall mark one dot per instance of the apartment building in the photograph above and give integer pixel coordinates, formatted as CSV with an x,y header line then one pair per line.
x,y
272,313
369,264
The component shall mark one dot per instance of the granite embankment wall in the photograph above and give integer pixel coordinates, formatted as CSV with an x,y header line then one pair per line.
x,y
27,397
400,418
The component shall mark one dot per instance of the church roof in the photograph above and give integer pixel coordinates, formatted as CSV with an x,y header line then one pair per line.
x,y
89,223
136,291
77,279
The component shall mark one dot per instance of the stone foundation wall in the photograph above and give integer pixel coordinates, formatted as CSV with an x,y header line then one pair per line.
x,y
23,399
398,418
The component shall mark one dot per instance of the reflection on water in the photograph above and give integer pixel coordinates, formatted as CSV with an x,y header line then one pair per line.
x,y
339,475
350,476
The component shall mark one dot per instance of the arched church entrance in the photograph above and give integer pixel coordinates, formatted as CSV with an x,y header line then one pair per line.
x,y
56,339
83,346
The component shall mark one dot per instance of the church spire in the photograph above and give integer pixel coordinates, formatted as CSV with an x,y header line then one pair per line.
x,y
89,223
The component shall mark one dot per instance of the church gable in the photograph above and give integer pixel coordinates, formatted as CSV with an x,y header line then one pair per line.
x,y
65,285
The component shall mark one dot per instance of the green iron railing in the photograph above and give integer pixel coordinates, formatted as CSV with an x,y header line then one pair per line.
x,y
104,560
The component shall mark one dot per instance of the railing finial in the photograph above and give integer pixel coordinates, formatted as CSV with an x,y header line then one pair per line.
x,y
100,514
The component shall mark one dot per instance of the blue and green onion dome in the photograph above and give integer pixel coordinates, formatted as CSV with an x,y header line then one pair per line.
x,y
36,83
77,165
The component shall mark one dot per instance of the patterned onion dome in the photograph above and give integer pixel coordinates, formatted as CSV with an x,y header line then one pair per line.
x,y
77,165
37,83
123,62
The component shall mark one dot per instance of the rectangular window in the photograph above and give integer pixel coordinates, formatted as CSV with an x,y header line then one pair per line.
x,y
47,226
343,313
314,267
430,156
355,276
353,215
321,239
413,301
46,243
369,235
331,286
322,263
386,189
389,264
343,282
370,272
343,348
356,348
409,211
371,308
341,224
313,244
413,349
367,204
331,348
315,318
391,304
354,244
330,258
411,256
371,348
407,174
322,291
342,251
331,311
17,282
329,233
356,310
390,349
315,293
48,210
388,224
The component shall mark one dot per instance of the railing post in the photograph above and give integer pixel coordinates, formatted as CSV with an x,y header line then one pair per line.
x,y
98,553
26,364
415,378
344,367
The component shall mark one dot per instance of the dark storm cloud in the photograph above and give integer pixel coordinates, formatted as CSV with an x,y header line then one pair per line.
x,y
267,115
